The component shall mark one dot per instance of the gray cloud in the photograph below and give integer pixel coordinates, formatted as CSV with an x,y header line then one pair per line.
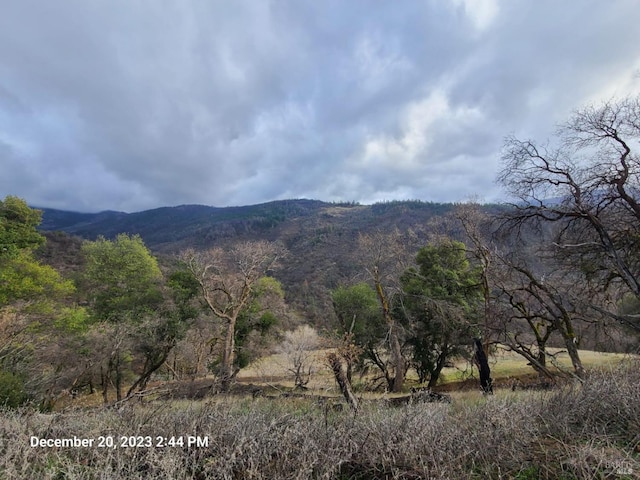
x,y
133,105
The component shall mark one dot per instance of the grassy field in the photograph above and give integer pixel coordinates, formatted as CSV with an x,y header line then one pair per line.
x,y
271,373
505,366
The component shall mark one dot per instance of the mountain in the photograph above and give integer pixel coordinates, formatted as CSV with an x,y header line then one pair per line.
x,y
321,237
168,226
173,228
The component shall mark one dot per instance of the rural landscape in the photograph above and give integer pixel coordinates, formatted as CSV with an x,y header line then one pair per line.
x,y
306,339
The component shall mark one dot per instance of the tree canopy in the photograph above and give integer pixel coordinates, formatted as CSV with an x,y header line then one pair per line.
x,y
24,280
439,302
18,223
34,306
123,278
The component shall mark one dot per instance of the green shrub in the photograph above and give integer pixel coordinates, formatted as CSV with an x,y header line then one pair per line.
x,y
12,392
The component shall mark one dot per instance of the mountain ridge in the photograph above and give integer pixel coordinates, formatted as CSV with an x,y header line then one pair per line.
x,y
322,237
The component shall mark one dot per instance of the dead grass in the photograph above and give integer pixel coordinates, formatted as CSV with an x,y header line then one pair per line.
x,y
581,431
460,381
506,363
505,366
274,369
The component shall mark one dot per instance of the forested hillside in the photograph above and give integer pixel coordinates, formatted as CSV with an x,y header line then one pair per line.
x,y
321,238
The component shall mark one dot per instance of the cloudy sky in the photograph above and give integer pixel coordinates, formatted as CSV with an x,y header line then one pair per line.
x,y
135,104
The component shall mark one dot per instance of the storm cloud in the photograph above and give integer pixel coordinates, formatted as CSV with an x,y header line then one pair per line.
x,y
128,105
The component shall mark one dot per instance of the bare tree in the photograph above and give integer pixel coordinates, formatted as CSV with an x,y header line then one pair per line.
x,y
538,299
384,257
588,184
527,295
227,280
522,329
299,348
476,225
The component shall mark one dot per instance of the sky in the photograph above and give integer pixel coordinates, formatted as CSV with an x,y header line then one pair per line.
x,y
136,104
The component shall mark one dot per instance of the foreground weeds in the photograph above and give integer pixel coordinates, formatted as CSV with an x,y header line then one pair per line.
x,y
578,432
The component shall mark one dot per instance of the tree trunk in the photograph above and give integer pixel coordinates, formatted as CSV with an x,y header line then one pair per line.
x,y
565,327
398,359
394,341
104,379
343,382
151,365
486,382
118,371
542,357
349,370
200,347
572,349
226,367
440,363
175,365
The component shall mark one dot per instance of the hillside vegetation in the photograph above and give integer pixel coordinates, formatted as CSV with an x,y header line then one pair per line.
x,y
321,237
587,431
160,316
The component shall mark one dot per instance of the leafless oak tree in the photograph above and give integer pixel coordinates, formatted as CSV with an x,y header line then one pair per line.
x,y
539,299
527,299
227,280
384,257
588,183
